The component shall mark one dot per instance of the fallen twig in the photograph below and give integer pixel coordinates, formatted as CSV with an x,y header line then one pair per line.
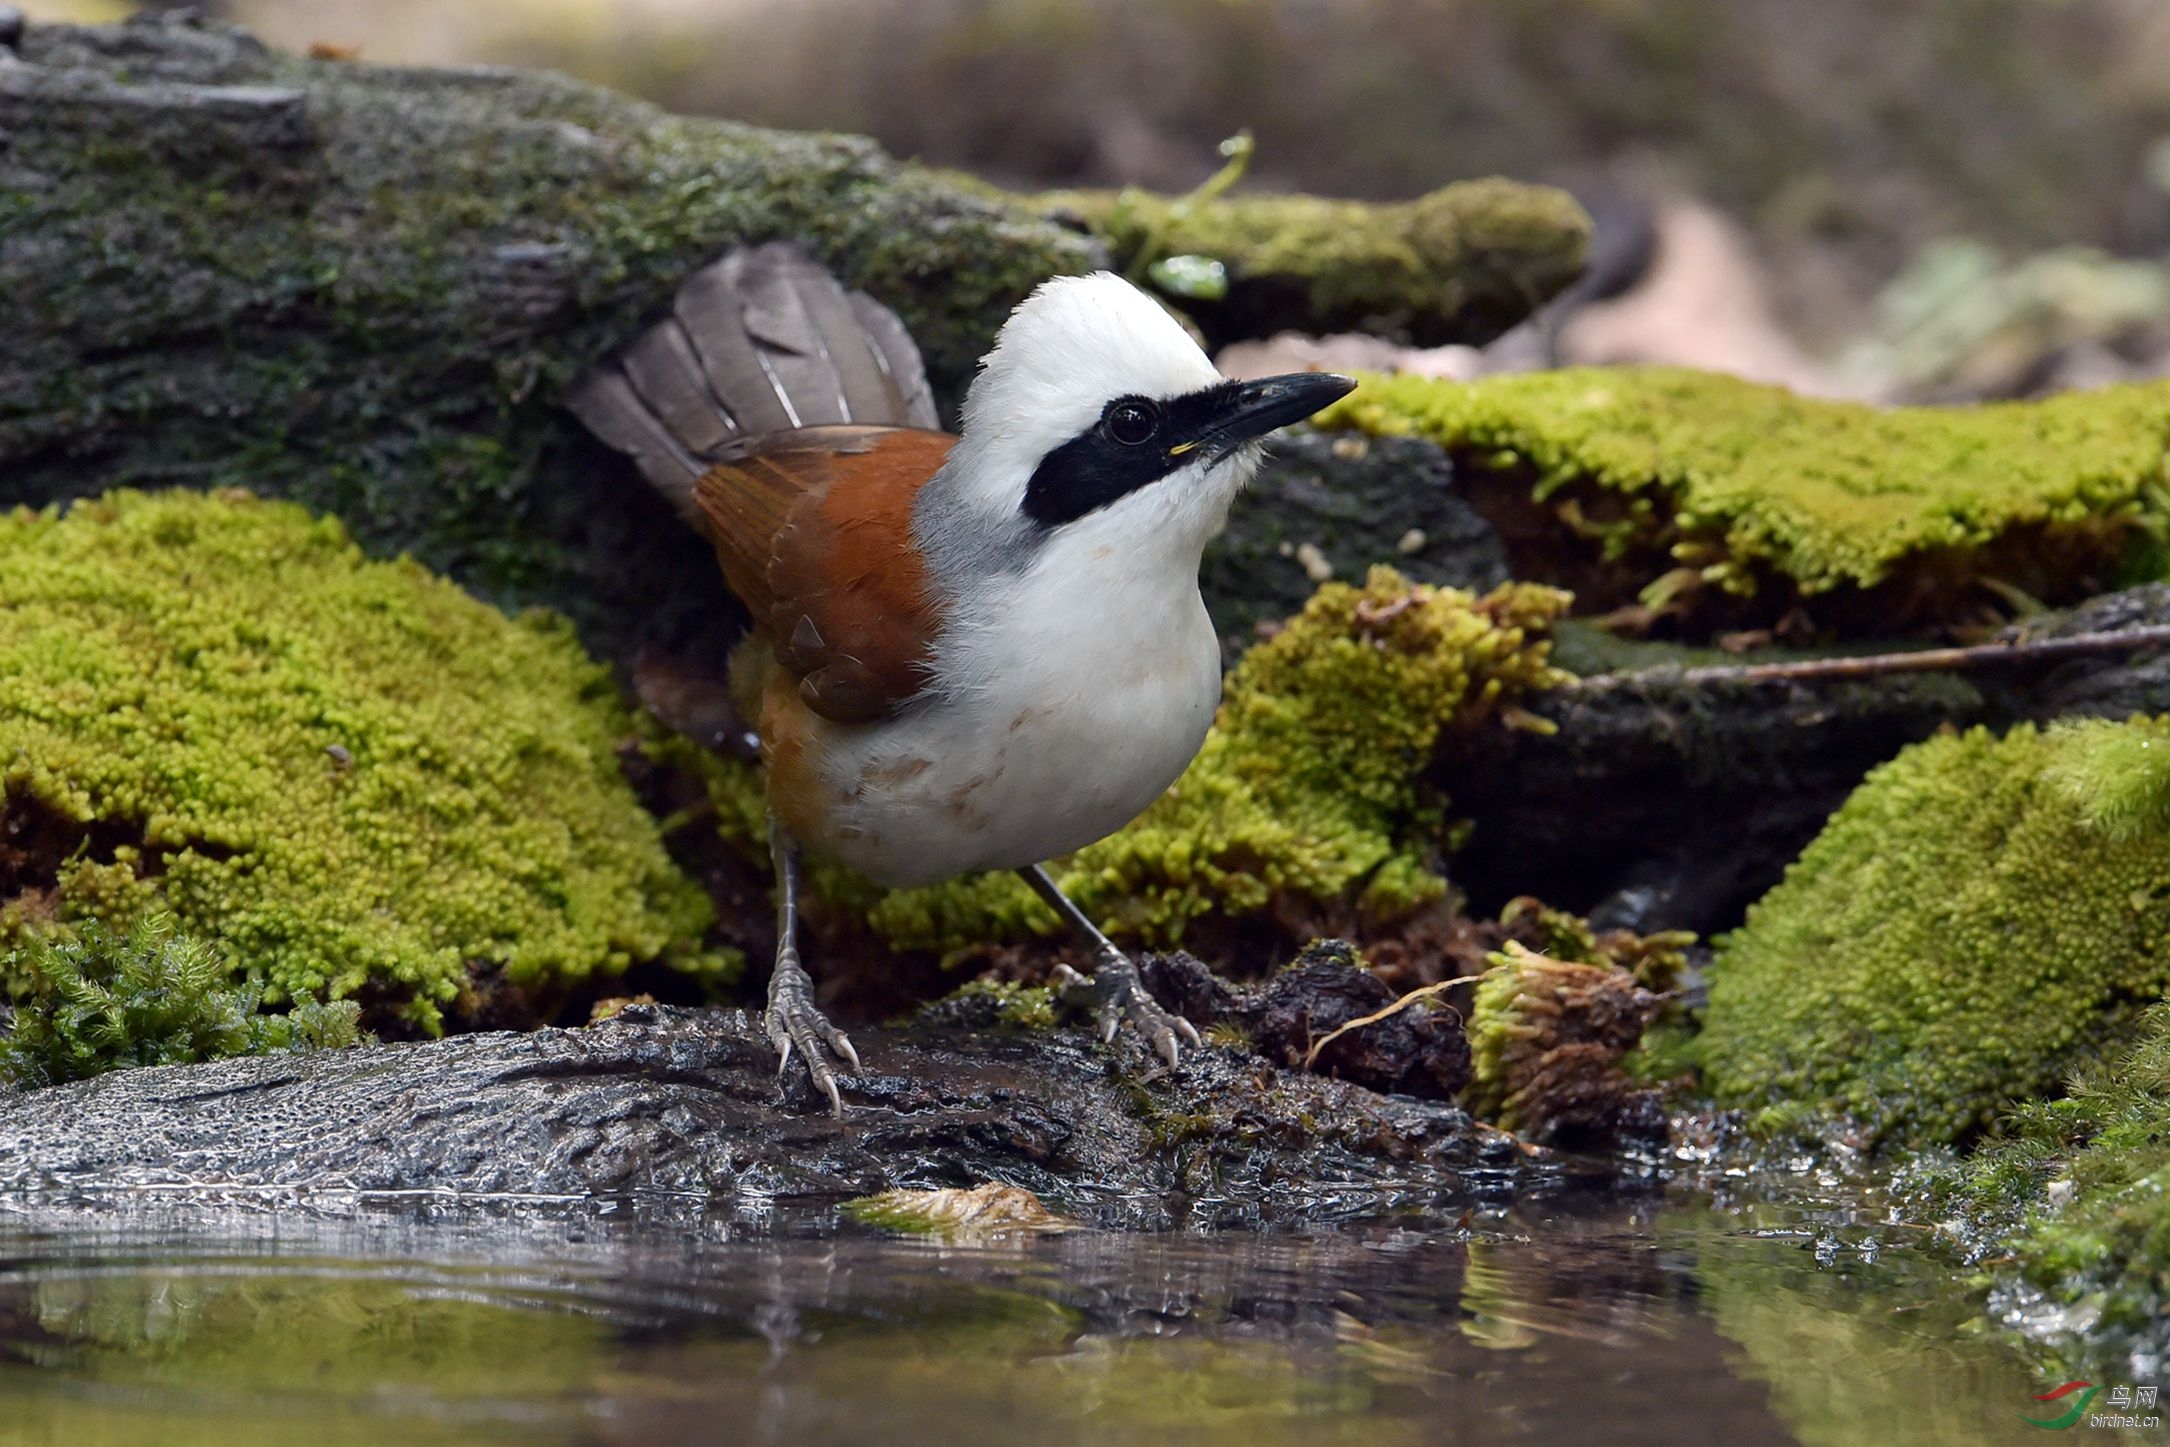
x,y
1877,665
1422,992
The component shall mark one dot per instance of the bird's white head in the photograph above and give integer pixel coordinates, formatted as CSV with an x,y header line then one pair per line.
x,y
1096,417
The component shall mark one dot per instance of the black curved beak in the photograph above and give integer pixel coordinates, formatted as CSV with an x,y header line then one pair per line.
x,y
1253,409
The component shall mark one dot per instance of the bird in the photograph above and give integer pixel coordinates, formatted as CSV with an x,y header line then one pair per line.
x,y
970,652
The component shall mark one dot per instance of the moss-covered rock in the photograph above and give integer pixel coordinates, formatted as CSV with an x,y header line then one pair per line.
x,y
351,776
2073,1202
1461,264
1969,925
1722,501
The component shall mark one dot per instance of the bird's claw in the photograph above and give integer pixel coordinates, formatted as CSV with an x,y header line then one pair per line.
x,y
1120,996
792,1022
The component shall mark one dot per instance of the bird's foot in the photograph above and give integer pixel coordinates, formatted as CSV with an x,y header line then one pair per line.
x,y
1119,997
793,1023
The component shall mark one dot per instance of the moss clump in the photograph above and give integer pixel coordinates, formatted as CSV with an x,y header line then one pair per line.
x,y
2074,1199
1962,932
1656,961
1698,492
1547,1040
349,775
1309,792
105,1000
1461,264
2116,774
988,1004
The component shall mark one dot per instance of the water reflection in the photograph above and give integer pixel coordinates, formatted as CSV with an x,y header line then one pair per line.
x,y
1608,1320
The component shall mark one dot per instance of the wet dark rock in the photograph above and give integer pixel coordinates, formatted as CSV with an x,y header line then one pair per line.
x,y
1356,501
1670,806
1667,805
664,1100
1414,1052
1187,985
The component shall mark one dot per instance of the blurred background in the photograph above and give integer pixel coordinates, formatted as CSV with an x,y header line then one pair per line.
x,y
1896,199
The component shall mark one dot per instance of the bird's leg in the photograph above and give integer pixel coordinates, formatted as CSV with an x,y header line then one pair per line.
x,y
791,1020
1121,994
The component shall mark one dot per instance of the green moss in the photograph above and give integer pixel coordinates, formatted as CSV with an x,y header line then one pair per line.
x,y
350,776
1310,788
1959,936
1463,263
1693,487
2116,774
2073,1199
984,1004
1547,1038
105,1000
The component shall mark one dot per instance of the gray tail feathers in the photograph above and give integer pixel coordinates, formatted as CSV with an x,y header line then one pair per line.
x,y
763,340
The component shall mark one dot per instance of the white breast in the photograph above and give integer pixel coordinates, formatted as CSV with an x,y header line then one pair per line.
x,y
1074,694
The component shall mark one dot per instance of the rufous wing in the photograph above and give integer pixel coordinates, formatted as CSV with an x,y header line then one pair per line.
x,y
814,531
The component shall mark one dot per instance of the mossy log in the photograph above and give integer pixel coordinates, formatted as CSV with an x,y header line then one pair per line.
x,y
364,287
1461,264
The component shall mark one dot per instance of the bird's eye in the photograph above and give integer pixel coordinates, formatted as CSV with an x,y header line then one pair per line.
x,y
1133,422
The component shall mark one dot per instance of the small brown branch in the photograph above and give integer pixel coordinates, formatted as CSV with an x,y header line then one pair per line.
x,y
1422,992
1878,665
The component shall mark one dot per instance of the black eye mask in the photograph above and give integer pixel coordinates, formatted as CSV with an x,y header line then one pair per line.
x,y
1140,440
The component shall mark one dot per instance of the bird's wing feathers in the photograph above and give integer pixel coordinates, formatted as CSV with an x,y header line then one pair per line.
x,y
903,372
814,531
790,421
